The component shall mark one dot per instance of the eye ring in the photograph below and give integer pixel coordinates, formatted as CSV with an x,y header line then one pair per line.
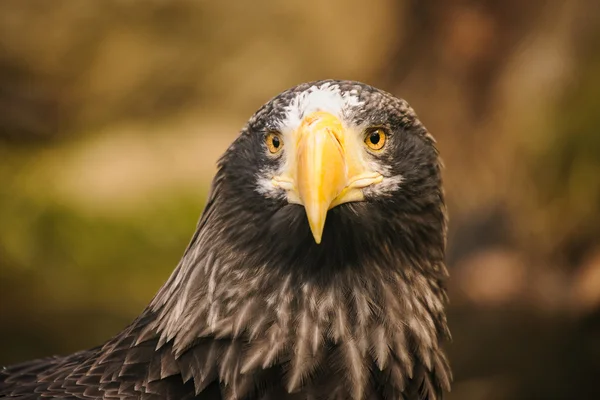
x,y
274,142
375,138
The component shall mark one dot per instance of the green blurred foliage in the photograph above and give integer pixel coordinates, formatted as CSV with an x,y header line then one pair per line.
x,y
567,166
77,275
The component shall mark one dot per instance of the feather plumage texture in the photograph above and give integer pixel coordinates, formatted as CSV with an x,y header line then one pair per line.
x,y
256,310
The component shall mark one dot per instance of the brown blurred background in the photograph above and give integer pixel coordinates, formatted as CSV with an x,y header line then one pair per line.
x,y
113,112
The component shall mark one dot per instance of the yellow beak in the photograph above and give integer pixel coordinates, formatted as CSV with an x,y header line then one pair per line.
x,y
326,168
320,167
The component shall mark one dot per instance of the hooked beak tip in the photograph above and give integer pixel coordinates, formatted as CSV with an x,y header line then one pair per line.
x,y
316,220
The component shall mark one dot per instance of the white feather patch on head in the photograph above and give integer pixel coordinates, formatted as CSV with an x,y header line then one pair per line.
x,y
386,187
265,184
326,97
389,184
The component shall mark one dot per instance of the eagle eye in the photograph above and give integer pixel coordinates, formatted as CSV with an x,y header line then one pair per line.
x,y
375,138
274,142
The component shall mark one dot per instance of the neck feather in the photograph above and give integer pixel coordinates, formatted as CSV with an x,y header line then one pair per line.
x,y
367,317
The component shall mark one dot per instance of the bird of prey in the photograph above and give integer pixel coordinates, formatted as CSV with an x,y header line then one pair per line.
x,y
316,270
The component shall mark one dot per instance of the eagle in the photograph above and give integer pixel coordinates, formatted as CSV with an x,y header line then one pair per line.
x,y
316,270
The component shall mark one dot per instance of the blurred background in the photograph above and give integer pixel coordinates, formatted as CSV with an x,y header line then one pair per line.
x,y
113,113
